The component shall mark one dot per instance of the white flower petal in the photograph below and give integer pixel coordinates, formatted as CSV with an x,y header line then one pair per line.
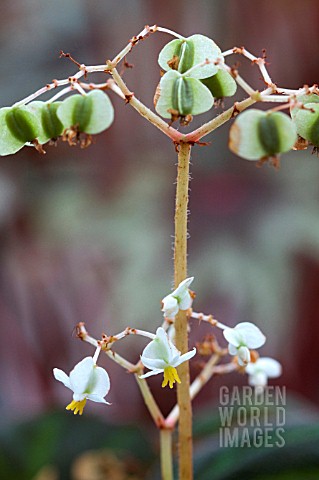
x,y
232,349
259,379
175,359
186,302
162,335
160,348
170,307
154,363
183,358
253,337
182,288
62,377
269,366
100,383
157,349
80,376
97,399
78,397
152,372
168,346
243,356
233,337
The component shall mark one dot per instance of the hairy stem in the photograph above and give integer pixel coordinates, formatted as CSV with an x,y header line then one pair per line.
x,y
196,386
180,273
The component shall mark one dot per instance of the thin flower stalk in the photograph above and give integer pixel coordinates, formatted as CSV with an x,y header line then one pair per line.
x,y
83,335
199,133
170,32
145,111
150,402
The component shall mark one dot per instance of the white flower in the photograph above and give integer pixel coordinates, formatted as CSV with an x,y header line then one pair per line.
x,y
261,370
87,381
180,299
241,338
161,356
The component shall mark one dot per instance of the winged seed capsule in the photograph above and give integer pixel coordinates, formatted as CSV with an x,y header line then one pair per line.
x,y
307,123
183,54
91,113
221,84
51,124
181,95
19,125
22,124
258,135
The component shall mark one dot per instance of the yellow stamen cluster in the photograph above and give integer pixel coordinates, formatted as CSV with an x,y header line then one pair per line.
x,y
170,376
76,407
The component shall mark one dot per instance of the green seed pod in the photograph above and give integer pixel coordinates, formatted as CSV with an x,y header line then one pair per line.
x,y
307,123
91,113
51,124
182,95
183,54
8,143
256,134
310,98
82,112
269,135
221,85
22,124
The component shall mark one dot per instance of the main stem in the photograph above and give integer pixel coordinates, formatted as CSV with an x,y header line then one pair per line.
x,y
181,321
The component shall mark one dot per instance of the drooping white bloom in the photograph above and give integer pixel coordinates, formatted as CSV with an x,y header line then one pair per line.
x,y
180,299
261,370
161,356
87,381
241,338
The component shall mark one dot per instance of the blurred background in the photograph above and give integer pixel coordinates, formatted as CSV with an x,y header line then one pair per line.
x,y
86,236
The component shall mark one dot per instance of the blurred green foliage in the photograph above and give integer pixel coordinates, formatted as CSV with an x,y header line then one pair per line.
x,y
59,439
298,459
